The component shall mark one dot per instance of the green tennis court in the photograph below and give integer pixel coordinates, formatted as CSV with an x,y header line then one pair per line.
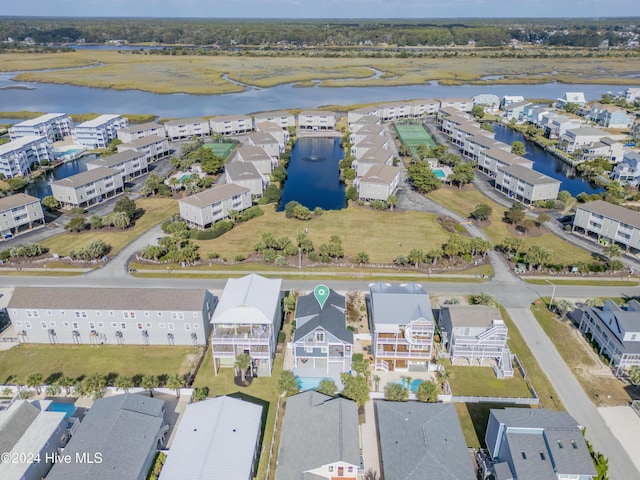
x,y
414,136
222,150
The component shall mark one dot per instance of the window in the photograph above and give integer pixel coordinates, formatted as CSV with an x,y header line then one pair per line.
x,y
330,468
139,325
195,314
195,326
350,469
171,326
43,324
123,326
146,314
97,314
77,314
92,325
52,324
129,314
177,316
49,312
319,336
187,327
18,324
74,324
111,314
160,314
27,324
62,313
66,324
161,325
114,324
100,324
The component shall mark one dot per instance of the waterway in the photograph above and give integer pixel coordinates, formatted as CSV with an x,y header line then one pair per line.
x,y
313,175
41,186
547,163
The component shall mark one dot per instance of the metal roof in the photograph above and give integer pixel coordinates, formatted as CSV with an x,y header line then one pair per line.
x,y
21,142
249,299
399,304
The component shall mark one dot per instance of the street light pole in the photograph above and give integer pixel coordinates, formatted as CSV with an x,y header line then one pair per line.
x,y
553,293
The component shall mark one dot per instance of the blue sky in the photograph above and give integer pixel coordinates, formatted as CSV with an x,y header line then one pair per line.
x,y
323,8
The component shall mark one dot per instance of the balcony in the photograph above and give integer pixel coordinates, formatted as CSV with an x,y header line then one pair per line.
x,y
416,354
257,335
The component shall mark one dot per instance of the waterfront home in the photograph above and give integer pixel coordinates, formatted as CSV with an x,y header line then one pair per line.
x,y
213,204
267,142
17,156
186,128
475,335
525,184
378,183
608,223
609,116
118,437
354,116
129,163
570,97
134,132
365,131
576,138
451,122
281,117
532,444
17,211
88,188
373,156
614,330
99,132
115,316
478,143
460,104
515,110
231,124
320,439
53,126
257,156
369,142
509,99
395,111
31,434
445,112
606,148
422,440
461,133
247,320
316,120
246,175
217,437
403,327
627,171
554,125
153,147
322,345
489,102
490,160
534,113
425,107
632,94
276,131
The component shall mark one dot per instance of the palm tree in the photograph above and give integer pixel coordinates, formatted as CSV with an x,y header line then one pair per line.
x,y
176,382
243,361
125,383
149,382
174,183
612,250
66,383
35,380
94,384
376,381
53,390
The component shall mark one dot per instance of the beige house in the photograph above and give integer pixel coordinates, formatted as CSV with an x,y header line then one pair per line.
x,y
611,223
275,130
268,143
370,158
185,128
99,132
379,182
88,188
366,130
395,111
354,116
134,132
281,117
367,143
153,147
129,163
18,210
461,104
231,124
316,120
256,155
525,184
213,204
246,175
362,122
490,160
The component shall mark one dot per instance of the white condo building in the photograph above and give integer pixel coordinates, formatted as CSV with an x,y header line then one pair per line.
x,y
17,157
53,126
99,132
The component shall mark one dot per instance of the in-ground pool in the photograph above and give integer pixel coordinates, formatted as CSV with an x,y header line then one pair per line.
x,y
309,383
68,408
183,177
69,151
414,384
439,173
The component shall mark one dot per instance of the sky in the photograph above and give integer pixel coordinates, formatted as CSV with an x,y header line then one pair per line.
x,y
322,8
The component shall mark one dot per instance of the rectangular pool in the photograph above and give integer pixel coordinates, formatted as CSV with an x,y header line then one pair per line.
x,y
68,408
309,383
439,173
414,384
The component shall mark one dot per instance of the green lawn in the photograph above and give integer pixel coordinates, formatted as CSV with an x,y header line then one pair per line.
x,y
263,390
81,360
473,420
482,382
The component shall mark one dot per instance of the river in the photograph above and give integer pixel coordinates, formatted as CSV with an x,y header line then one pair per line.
x,y
41,186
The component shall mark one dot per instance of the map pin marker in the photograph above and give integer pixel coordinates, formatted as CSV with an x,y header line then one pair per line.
x,y
321,292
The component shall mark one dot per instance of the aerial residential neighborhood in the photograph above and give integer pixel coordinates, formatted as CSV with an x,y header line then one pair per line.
x,y
319,248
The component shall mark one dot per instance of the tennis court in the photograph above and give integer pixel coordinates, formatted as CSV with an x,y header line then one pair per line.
x,y
414,136
222,150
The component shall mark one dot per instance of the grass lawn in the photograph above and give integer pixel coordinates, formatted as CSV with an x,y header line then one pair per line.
x,y
262,388
156,210
545,391
482,382
603,388
626,282
473,420
464,201
359,229
80,360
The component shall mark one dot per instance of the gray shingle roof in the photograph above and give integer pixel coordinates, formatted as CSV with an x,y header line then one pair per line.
x,y
116,158
376,155
615,212
483,141
253,153
506,157
381,174
141,127
399,304
84,178
262,138
186,121
317,430
242,171
215,194
528,175
108,298
145,141
124,429
309,316
14,422
420,437
16,200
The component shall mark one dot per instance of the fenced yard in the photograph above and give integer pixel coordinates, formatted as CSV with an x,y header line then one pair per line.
x,y
222,150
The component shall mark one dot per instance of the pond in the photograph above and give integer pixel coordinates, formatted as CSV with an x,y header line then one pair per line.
x,y
546,163
41,186
313,175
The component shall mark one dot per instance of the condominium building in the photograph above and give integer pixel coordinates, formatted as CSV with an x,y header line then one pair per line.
x,y
525,184
186,128
608,223
490,160
129,163
276,131
460,104
379,182
577,138
367,130
17,211
246,175
258,156
375,142
213,204
134,132
231,124
153,147
53,126
316,120
281,117
88,188
373,156
478,143
17,157
99,132
268,142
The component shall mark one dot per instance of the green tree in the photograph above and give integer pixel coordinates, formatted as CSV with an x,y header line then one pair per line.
x,y
176,382
362,258
462,175
327,387
94,385
360,364
66,383
483,298
477,111
612,251
76,224
564,306
517,148
571,107
50,203
96,222
564,196
290,207
514,215
200,394
121,220
634,374
427,392
435,254
288,383
125,383
536,257
242,363
126,205
396,392
352,193
271,194
543,218
301,212
482,212
416,256
149,382
52,390
392,201
423,179
512,245
355,388
35,380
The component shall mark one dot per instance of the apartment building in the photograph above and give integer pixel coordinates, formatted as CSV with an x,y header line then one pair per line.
x,y
88,188
608,223
17,156
490,160
19,211
628,170
134,132
215,203
186,128
379,182
365,131
364,113
99,132
577,138
316,120
525,184
129,163
370,142
606,148
53,126
460,104
373,156
231,125
275,130
246,175
268,143
258,156
281,117
153,147
475,144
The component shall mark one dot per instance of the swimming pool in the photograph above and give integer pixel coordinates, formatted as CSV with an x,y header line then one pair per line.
x,y
414,384
68,408
439,173
184,177
309,383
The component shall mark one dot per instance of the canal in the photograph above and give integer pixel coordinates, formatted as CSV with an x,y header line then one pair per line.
x,y
41,186
313,175
546,163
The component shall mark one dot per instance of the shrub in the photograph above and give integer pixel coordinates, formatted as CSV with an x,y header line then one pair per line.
x,y
318,211
164,190
281,337
208,234
76,224
239,258
290,207
77,211
378,204
5,255
221,227
213,255
251,212
352,193
200,393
